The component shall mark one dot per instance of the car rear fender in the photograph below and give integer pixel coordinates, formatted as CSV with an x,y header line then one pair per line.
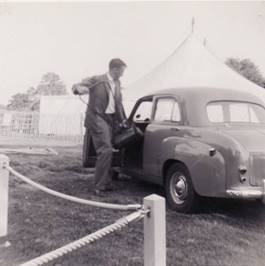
x,y
205,165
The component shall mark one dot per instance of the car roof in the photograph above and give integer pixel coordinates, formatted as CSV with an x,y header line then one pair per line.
x,y
209,94
195,100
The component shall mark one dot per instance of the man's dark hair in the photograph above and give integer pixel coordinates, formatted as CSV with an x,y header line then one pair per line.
x,y
116,63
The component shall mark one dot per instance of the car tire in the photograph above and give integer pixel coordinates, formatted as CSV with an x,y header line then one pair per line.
x,y
179,190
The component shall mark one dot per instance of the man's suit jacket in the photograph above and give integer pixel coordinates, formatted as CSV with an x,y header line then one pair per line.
x,y
99,89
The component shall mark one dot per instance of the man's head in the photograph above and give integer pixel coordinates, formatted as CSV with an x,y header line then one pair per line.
x,y
116,68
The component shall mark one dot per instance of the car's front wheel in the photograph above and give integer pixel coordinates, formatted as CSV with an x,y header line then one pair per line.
x,y
179,190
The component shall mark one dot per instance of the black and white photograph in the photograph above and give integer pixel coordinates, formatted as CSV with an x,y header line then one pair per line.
x,y
132,133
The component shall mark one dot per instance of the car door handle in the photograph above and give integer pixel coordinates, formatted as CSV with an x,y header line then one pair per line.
x,y
175,129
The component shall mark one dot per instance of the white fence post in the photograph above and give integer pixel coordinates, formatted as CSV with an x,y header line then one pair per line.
x,y
155,231
4,180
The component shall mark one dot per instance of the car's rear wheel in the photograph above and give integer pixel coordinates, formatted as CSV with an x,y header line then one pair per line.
x,y
179,190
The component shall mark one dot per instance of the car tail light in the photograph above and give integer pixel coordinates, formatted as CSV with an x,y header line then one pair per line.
x,y
242,170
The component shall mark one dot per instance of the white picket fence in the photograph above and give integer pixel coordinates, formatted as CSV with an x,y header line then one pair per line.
x,y
65,127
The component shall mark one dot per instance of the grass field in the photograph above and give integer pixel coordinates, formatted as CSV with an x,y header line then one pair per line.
x,y
223,232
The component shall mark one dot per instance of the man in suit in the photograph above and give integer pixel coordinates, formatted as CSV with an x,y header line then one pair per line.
x,y
104,111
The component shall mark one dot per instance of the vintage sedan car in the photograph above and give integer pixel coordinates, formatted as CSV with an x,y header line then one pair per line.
x,y
197,142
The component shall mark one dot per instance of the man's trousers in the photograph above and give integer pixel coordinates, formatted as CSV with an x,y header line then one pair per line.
x,y
102,139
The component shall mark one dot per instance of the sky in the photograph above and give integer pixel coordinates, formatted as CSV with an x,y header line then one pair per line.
x,y
77,40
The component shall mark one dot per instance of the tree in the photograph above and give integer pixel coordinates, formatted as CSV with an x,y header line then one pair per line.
x,y
50,84
19,101
248,69
31,91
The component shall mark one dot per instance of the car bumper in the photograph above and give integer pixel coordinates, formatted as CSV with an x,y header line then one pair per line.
x,y
247,193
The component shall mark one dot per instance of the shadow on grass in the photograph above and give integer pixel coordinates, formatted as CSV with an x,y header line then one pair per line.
x,y
232,207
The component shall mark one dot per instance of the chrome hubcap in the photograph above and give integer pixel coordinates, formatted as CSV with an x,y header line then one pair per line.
x,y
178,188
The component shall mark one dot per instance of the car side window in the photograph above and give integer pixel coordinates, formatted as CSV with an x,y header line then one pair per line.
x,y
143,112
243,113
167,109
239,112
176,113
235,112
215,112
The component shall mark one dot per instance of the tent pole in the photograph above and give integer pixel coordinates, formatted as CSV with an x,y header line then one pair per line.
x,y
192,24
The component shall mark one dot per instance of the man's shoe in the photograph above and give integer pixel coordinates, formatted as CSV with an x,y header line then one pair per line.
x,y
123,177
100,193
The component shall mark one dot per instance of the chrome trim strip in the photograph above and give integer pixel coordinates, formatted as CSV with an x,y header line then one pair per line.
x,y
246,193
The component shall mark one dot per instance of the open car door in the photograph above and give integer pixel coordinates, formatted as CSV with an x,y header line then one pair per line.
x,y
130,155
89,153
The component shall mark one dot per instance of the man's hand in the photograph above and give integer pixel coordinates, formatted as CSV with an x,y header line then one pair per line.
x,y
75,89
79,90
125,123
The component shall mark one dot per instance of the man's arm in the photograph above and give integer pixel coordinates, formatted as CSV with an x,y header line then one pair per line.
x,y
84,86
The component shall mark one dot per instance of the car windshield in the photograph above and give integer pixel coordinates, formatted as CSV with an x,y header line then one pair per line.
x,y
235,112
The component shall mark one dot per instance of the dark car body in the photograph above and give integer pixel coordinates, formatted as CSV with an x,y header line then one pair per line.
x,y
198,141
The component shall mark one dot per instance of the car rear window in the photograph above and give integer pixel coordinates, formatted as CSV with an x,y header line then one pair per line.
x,y
235,112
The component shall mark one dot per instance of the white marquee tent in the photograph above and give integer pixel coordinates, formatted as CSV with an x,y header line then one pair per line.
x,y
191,64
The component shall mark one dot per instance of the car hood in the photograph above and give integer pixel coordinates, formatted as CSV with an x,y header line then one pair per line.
x,y
252,139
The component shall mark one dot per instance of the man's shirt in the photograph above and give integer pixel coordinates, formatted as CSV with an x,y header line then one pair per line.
x,y
111,106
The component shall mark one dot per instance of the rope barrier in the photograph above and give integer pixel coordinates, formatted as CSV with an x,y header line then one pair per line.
x,y
135,216
72,198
